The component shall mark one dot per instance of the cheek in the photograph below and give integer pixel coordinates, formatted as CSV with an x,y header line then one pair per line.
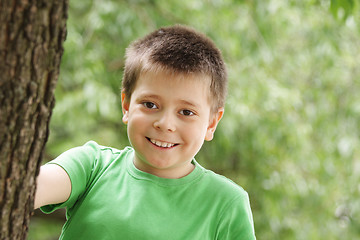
x,y
196,132
135,126
136,116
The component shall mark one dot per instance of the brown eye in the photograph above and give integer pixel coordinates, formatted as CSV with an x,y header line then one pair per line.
x,y
186,112
149,105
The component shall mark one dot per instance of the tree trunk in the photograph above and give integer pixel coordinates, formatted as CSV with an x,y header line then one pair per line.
x,y
32,33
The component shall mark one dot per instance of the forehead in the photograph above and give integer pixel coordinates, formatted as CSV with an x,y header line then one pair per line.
x,y
173,78
174,83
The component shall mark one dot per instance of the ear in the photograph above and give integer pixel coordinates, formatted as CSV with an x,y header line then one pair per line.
x,y
214,120
125,107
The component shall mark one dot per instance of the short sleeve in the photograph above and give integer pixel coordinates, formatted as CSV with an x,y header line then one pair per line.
x,y
79,164
236,221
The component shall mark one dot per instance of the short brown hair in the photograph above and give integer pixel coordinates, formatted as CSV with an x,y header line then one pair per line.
x,y
180,50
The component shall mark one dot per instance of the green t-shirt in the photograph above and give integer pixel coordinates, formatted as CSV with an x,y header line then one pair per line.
x,y
112,199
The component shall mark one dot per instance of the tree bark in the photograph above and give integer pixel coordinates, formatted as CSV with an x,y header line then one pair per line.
x,y
32,33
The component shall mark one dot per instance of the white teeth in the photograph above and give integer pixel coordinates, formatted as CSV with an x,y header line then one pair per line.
x,y
162,144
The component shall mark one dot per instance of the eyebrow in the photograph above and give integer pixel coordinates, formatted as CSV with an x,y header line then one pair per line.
x,y
189,103
149,96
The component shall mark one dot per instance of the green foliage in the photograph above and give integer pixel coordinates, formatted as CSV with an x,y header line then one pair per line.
x,y
41,229
343,8
290,135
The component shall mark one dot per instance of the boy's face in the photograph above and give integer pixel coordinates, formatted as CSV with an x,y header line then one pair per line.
x,y
168,119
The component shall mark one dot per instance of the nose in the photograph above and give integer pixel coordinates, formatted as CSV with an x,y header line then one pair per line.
x,y
165,122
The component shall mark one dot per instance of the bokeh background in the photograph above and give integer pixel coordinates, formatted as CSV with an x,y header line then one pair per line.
x,y
290,134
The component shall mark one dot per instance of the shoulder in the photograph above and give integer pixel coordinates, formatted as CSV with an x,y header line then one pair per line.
x,y
90,157
95,147
224,193
96,151
223,185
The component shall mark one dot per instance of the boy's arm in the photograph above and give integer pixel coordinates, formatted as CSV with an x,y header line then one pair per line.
x,y
53,186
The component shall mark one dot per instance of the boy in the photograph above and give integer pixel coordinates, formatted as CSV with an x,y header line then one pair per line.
x,y
173,96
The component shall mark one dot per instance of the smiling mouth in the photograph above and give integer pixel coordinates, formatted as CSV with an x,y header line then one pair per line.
x,y
161,144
